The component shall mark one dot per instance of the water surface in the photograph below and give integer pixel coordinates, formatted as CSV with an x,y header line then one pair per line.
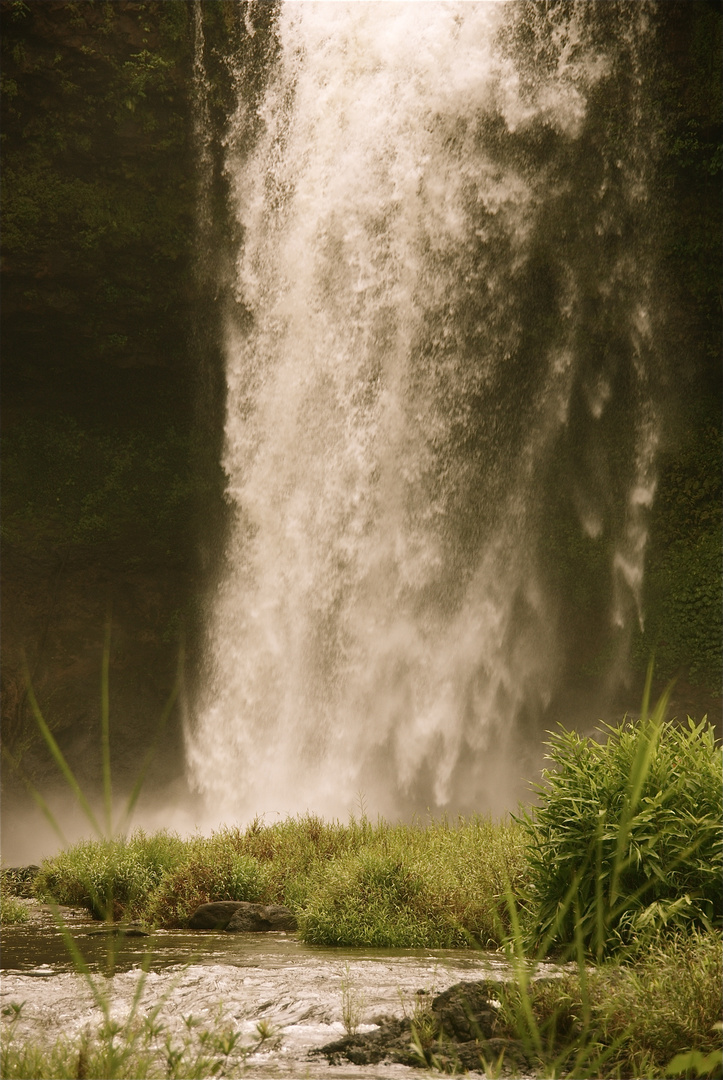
x,y
233,980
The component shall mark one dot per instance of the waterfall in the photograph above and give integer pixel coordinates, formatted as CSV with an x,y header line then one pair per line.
x,y
440,364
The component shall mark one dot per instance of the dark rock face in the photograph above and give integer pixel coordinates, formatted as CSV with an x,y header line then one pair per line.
x,y
213,916
460,1032
239,916
95,326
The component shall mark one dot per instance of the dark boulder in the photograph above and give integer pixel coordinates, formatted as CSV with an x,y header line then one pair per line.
x,y
214,916
239,916
256,918
464,1012
392,1041
460,1033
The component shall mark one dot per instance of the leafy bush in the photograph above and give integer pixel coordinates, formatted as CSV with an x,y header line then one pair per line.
x,y
626,840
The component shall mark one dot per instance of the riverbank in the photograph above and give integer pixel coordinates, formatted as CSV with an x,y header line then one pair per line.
x,y
439,884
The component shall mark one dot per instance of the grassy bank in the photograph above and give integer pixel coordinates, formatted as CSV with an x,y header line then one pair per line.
x,y
374,884
626,1019
624,844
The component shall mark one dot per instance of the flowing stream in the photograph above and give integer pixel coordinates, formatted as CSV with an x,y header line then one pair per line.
x,y
225,981
439,337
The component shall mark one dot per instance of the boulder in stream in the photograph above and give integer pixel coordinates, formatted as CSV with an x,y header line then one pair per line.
x,y
459,1031
240,916
258,918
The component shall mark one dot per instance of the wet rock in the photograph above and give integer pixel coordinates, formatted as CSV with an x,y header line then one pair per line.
x,y
392,1041
464,1012
255,918
239,916
214,916
120,930
459,1032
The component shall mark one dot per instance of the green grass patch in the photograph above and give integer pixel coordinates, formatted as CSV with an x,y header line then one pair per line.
x,y
438,886
213,868
12,910
428,885
626,1020
112,878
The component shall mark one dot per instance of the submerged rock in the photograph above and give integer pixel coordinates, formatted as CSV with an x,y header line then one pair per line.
x,y
120,930
239,916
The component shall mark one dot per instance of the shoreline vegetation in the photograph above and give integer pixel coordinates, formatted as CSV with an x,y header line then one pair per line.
x,y
378,885
617,870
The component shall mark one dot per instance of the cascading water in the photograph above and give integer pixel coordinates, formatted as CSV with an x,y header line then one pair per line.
x,y
440,353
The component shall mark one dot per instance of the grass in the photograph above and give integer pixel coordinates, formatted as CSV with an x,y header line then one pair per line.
x,y
624,844
428,885
141,1048
625,861
625,1019
12,910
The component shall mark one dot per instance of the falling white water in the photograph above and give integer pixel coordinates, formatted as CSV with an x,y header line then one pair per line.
x,y
398,382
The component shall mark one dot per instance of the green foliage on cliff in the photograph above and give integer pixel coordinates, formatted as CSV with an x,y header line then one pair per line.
x,y
83,487
683,587
683,600
98,196
97,192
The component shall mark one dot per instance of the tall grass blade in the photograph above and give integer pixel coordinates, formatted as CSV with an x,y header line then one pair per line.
x,y
649,732
60,760
523,974
176,692
105,733
645,706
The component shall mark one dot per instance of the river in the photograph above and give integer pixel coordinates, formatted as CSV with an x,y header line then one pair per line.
x,y
225,981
